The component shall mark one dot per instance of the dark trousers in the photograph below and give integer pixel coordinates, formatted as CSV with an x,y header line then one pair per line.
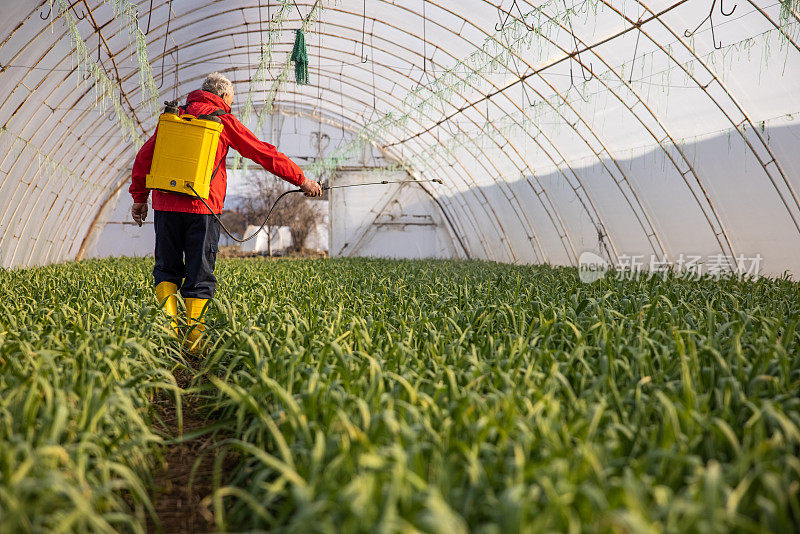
x,y
186,252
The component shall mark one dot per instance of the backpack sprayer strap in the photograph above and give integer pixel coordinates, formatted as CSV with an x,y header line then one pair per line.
x,y
214,172
214,116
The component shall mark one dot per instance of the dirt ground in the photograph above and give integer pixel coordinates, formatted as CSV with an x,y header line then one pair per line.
x,y
232,251
182,507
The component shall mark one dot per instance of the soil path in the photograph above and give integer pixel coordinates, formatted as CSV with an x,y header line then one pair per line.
x,y
179,508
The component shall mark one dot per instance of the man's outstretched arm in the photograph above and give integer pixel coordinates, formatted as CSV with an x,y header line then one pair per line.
x,y
266,155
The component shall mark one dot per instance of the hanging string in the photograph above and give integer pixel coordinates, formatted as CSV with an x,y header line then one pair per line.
x,y
425,75
508,19
374,89
577,55
319,89
261,25
166,38
424,39
298,10
149,17
341,102
363,32
710,18
177,68
235,84
636,48
269,58
249,48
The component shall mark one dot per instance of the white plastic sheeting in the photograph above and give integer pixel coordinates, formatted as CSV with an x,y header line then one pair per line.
x,y
604,128
318,238
120,235
396,220
270,238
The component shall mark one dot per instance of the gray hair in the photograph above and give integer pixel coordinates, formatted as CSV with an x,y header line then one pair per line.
x,y
218,84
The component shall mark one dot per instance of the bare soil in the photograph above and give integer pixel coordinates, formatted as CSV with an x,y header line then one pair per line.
x,y
232,251
178,497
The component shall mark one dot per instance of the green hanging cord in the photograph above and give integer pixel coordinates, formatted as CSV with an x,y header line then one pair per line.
x,y
300,58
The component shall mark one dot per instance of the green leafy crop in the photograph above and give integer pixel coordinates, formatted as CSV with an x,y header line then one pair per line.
x,y
368,396
80,363
385,396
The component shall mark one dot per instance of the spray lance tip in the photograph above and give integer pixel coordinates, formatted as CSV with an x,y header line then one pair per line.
x,y
438,181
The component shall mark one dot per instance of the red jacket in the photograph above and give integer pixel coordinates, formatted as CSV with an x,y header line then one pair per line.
x,y
234,134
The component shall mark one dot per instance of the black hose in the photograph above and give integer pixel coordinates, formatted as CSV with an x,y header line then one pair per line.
x,y
326,188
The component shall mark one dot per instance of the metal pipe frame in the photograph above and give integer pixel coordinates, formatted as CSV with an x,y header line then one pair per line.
x,y
736,124
59,144
561,235
656,138
118,154
225,33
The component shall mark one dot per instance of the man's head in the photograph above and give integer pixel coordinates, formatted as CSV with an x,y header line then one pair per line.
x,y
219,85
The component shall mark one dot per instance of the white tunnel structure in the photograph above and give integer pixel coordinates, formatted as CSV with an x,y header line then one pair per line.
x,y
653,129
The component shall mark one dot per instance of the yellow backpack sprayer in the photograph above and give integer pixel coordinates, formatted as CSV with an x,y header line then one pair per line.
x,y
186,147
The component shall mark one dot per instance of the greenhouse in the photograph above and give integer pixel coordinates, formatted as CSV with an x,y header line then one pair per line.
x,y
400,266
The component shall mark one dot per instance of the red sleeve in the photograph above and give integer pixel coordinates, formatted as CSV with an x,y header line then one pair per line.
x,y
141,166
248,145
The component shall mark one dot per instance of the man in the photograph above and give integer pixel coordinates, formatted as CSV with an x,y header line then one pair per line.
x,y
187,234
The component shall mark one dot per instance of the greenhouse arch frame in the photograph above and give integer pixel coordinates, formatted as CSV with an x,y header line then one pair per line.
x,y
507,102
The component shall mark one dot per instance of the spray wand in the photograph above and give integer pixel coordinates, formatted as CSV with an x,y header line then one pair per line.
x,y
326,188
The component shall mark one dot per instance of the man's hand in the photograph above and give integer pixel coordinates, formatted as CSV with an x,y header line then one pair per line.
x,y
139,212
311,188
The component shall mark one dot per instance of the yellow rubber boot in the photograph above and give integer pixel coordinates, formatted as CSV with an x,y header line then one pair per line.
x,y
194,318
166,295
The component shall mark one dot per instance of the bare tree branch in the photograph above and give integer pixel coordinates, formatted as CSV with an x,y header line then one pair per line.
x,y
295,211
